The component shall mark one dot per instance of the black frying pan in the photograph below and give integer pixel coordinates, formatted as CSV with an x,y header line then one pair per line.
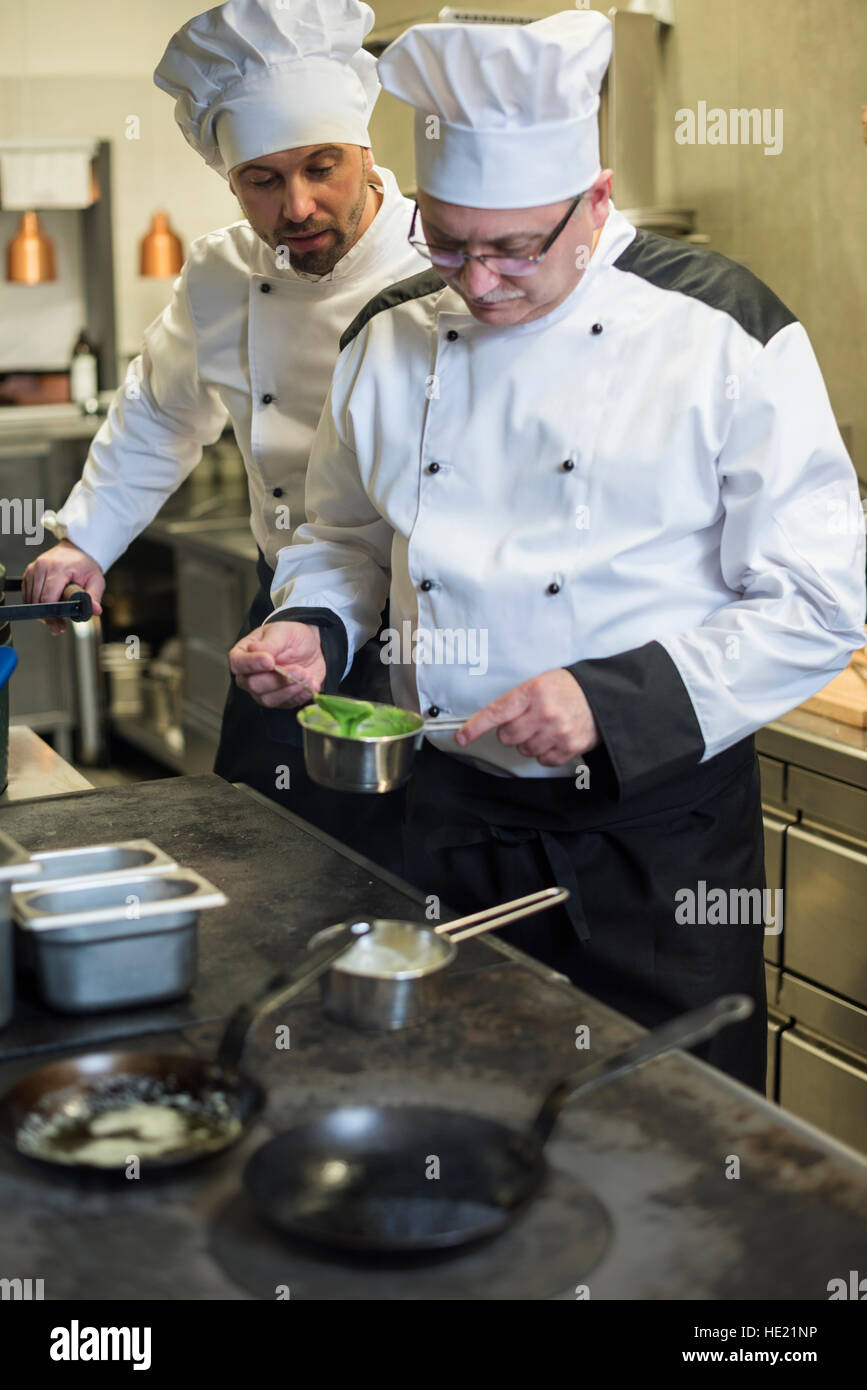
x,y
217,1100
408,1178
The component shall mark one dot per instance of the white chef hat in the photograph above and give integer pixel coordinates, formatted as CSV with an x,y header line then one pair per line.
x,y
505,115
253,77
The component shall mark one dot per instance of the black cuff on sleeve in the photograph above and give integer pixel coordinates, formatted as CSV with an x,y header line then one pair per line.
x,y
645,716
332,635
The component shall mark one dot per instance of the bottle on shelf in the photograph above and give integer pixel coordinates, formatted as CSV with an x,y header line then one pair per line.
x,y
83,382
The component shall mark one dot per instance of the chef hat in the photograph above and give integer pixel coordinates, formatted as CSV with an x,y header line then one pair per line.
x,y
505,115
255,76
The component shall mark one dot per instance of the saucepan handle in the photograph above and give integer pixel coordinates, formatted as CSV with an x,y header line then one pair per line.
x,y
684,1031
75,603
82,603
281,989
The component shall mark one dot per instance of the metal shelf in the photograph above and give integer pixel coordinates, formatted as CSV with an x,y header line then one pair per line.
x,y
149,739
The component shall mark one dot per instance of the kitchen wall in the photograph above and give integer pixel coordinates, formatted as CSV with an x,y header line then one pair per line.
x,y
83,69
40,323
799,218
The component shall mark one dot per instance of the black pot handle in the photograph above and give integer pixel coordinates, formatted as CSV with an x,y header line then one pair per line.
x,y
282,988
683,1031
76,604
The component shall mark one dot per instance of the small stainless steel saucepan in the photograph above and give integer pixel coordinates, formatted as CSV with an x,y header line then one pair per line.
x,y
394,977
362,762
366,763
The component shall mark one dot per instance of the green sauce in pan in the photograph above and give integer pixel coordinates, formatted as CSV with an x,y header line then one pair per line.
x,y
333,714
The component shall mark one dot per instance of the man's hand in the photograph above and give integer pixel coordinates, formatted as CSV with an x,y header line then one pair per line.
x,y
546,718
294,646
47,576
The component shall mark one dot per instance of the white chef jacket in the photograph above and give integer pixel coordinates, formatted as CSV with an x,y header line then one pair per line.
x,y
645,485
243,340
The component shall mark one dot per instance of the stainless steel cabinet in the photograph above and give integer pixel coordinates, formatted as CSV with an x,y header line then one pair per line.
x,y
36,475
816,848
201,740
215,589
773,782
775,828
211,599
828,802
841,1023
776,1023
776,821
826,912
206,677
825,1086
774,1034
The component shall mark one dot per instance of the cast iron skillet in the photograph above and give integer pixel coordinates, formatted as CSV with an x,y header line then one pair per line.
x,y
101,1081
409,1178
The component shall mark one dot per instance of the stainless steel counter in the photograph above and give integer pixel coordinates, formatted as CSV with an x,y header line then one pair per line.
x,y
652,1149
227,538
36,770
49,422
819,744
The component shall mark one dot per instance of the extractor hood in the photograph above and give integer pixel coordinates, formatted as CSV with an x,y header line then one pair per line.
x,y
627,114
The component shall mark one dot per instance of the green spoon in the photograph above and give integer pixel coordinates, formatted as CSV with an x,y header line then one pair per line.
x,y
348,713
386,720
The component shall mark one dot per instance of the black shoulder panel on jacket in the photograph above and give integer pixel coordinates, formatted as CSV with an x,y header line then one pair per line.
x,y
710,277
415,287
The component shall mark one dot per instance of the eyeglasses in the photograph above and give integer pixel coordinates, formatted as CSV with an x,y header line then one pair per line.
x,y
500,265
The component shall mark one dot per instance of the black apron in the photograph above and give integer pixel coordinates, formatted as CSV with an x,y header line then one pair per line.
x,y
475,839
262,747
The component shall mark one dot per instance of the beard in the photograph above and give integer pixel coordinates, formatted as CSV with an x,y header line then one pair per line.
x,y
341,236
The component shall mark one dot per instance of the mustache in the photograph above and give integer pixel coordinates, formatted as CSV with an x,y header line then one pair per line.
x,y
499,297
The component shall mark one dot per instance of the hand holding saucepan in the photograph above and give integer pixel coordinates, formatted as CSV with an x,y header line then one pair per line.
x,y
546,718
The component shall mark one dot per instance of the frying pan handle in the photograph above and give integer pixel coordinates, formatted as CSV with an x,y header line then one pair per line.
x,y
74,603
281,989
684,1031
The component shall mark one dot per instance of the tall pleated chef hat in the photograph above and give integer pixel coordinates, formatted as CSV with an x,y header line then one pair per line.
x,y
515,107
253,77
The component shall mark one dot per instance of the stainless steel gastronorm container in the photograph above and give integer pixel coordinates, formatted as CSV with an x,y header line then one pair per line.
x,y
384,1003
113,942
15,866
122,857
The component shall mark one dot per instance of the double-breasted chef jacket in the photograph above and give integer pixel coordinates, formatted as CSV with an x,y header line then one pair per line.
x,y
244,339
248,340
645,486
